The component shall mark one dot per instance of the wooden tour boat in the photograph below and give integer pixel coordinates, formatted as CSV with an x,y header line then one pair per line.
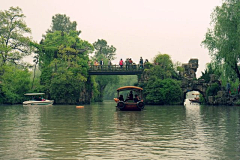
x,y
132,102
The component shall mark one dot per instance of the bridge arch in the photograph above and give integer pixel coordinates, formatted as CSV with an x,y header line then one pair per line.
x,y
202,93
194,85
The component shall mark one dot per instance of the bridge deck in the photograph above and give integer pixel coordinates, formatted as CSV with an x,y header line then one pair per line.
x,y
115,70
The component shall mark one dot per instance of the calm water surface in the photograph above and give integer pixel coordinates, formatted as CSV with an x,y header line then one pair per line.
x,y
100,132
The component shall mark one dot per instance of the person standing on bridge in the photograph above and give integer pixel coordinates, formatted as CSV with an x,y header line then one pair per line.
x,y
101,63
141,63
130,63
109,63
127,63
121,63
96,64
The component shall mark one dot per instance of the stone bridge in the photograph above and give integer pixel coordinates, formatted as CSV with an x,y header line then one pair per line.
x,y
189,81
194,85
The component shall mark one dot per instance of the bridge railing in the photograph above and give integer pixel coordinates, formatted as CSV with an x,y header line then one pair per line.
x,y
112,68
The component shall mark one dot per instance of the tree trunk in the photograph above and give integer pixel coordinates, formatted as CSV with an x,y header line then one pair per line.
x,y
34,76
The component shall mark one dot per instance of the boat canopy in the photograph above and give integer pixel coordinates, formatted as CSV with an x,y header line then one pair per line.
x,y
33,94
134,88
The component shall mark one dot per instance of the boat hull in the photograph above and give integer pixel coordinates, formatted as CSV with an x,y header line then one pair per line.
x,y
194,100
130,106
46,102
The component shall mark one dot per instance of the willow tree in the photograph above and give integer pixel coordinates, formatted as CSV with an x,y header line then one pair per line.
x,y
14,39
222,39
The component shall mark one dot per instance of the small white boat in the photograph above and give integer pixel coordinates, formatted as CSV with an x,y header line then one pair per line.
x,y
196,98
36,99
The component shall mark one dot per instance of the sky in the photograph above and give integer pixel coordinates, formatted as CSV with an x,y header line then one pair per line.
x,y
137,28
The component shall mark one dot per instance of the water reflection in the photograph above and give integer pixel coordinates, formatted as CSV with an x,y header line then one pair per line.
x,y
100,132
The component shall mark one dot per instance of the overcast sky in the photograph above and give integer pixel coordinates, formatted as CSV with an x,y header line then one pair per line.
x,y
135,27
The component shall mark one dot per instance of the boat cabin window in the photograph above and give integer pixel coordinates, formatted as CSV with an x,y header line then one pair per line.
x,y
129,95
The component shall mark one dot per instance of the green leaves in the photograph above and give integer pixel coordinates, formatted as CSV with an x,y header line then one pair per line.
x,y
60,22
162,86
165,91
103,50
213,89
222,40
163,67
15,83
14,44
63,60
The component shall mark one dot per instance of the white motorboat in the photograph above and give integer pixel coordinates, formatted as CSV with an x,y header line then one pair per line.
x,y
37,99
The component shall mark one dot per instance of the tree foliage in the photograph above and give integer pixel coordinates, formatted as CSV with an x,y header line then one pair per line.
x,y
163,67
63,59
126,80
103,50
61,22
162,86
222,40
166,91
211,68
14,45
14,42
213,89
102,81
15,82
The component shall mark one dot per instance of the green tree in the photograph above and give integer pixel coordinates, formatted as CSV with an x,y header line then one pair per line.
x,y
63,60
102,81
213,89
36,59
161,85
14,45
222,40
15,83
211,68
163,67
166,91
14,42
103,50
61,22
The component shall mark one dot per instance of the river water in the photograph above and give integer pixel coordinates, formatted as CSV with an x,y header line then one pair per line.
x,y
98,131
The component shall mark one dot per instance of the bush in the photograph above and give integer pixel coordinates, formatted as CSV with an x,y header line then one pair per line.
x,y
15,83
213,89
167,91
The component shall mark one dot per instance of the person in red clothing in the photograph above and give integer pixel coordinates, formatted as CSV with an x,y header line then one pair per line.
x,y
121,63
130,62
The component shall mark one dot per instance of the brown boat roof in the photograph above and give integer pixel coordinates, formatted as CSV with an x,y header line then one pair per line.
x,y
129,88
